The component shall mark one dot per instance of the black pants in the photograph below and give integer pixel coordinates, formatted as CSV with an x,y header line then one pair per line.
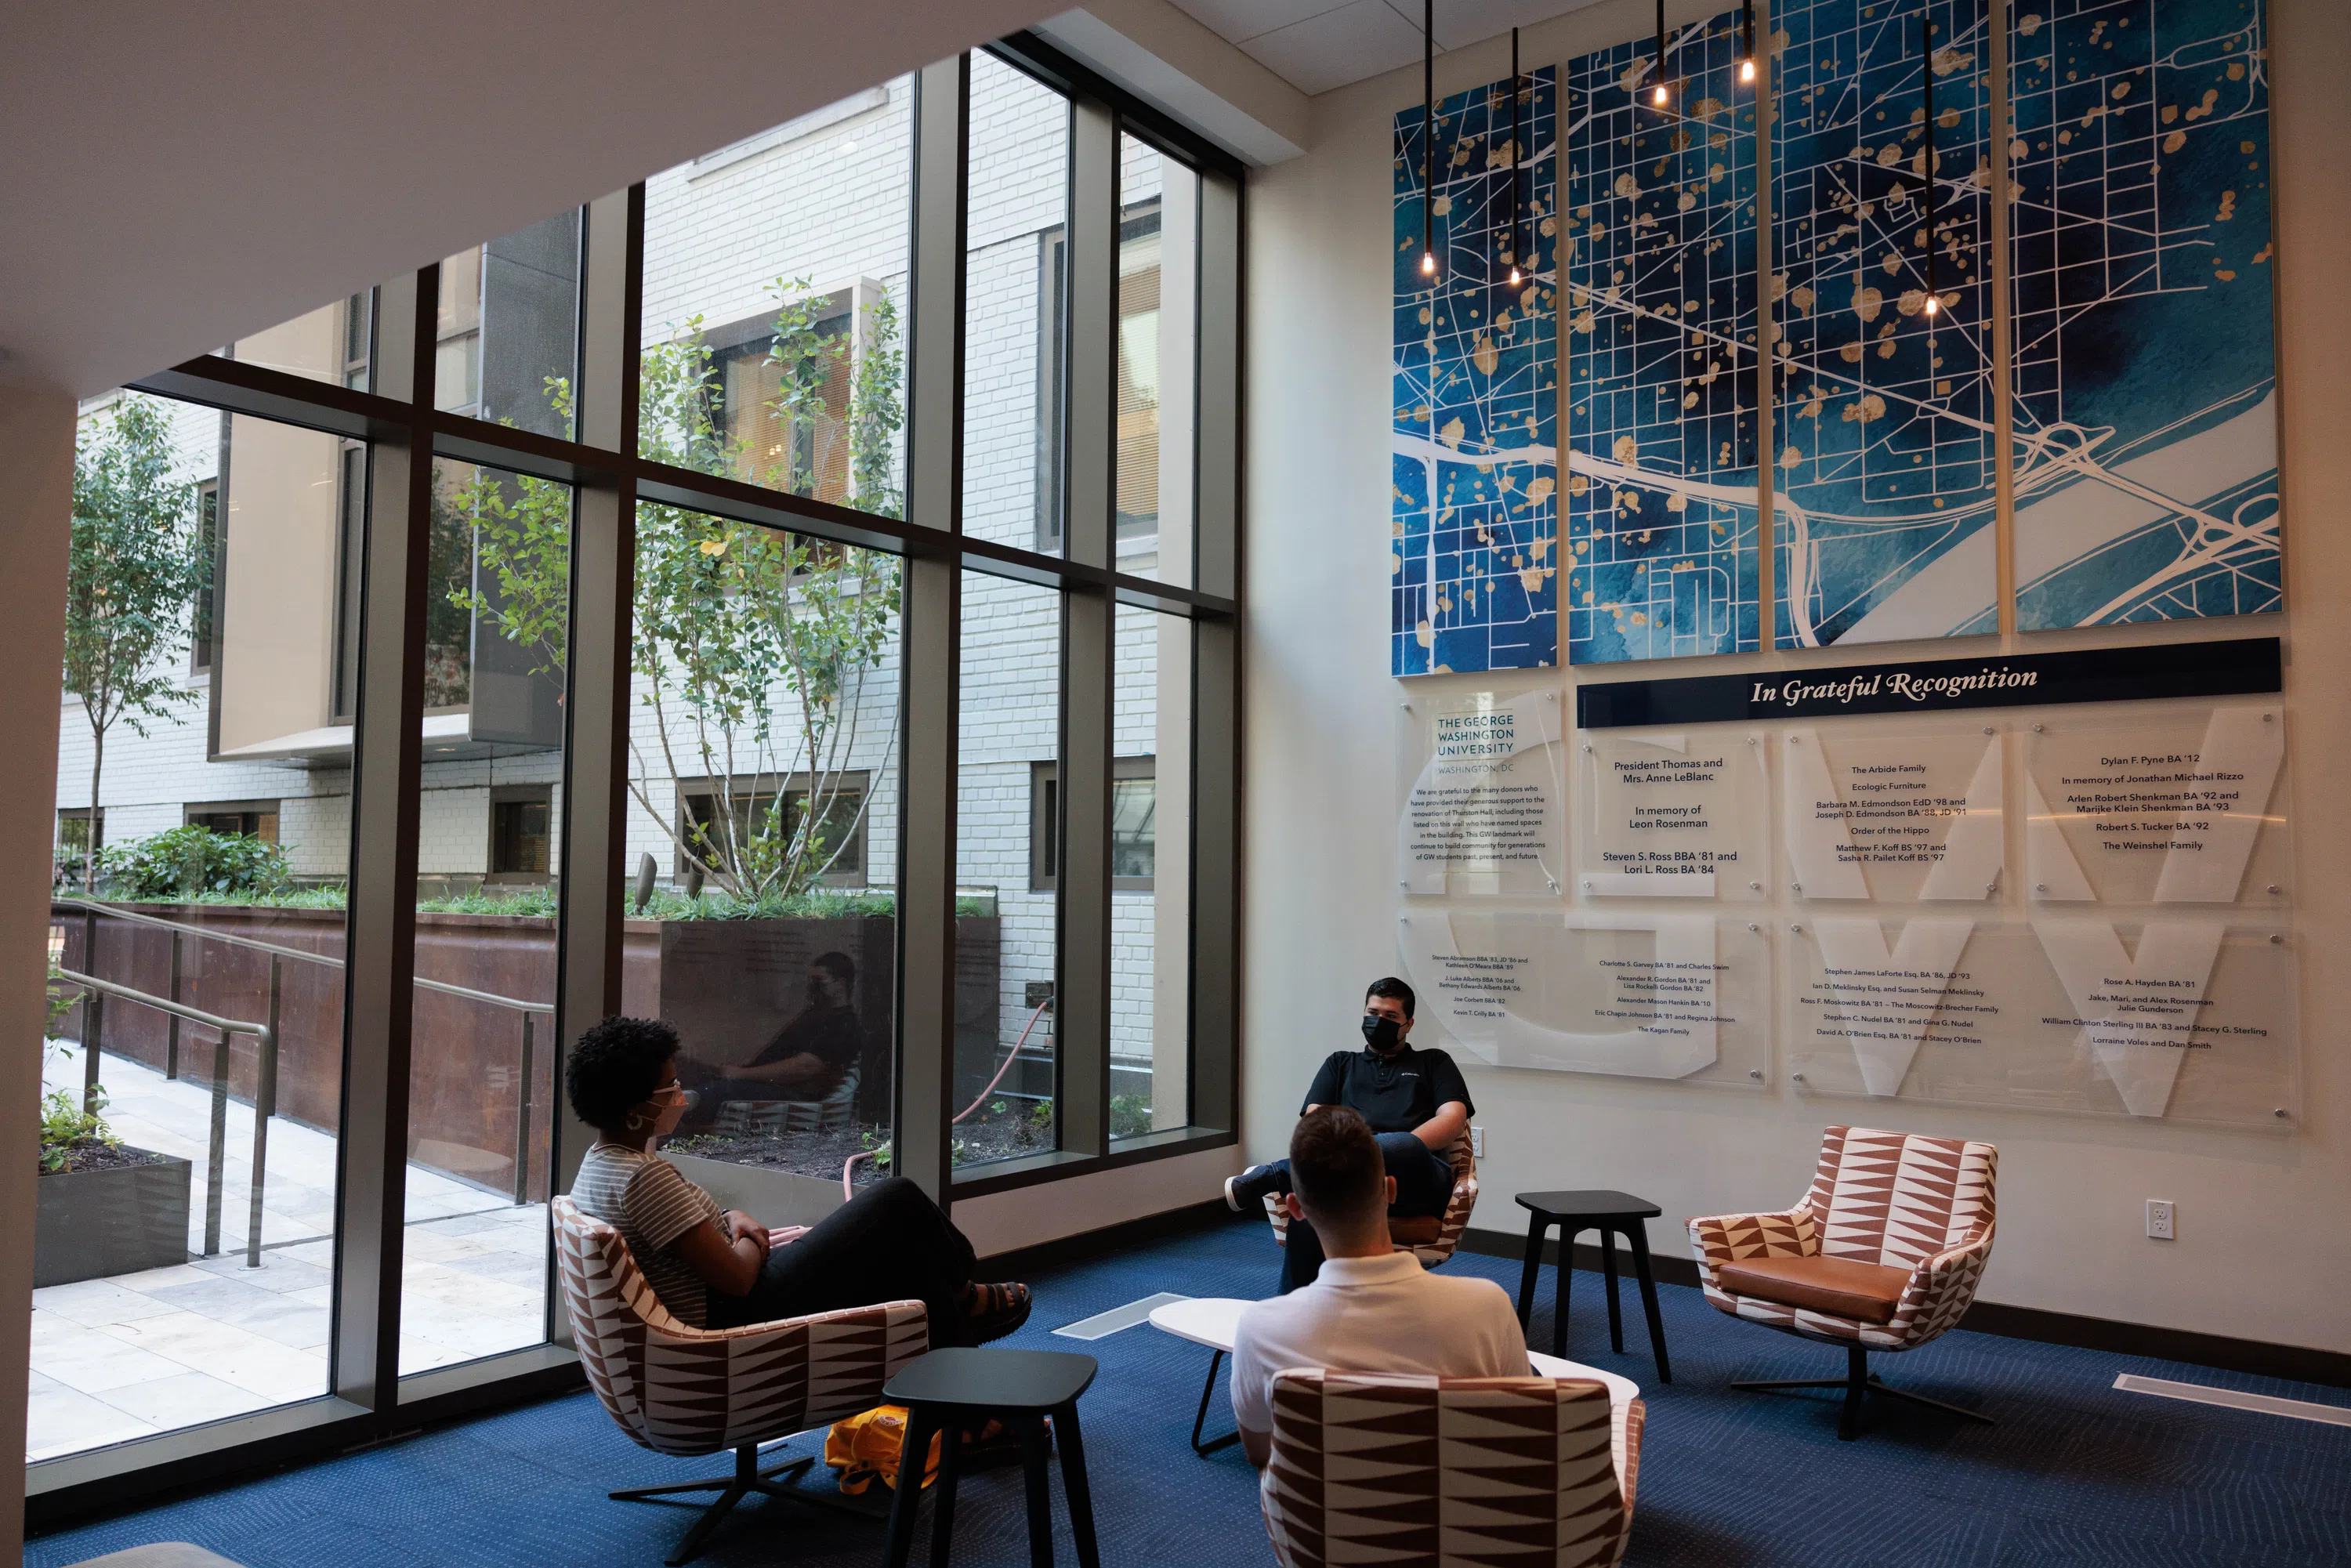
x,y
1424,1187
889,1243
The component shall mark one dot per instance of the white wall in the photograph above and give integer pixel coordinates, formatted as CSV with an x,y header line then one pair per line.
x,y
2261,1252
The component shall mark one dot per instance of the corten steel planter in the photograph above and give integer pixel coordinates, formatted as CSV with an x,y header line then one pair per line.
x,y
729,986
124,1219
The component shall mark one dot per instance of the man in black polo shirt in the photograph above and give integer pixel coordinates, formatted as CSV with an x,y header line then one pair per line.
x,y
1415,1101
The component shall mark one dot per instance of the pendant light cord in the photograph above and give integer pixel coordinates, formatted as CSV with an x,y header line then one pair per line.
x,y
1927,82
1427,135
1517,260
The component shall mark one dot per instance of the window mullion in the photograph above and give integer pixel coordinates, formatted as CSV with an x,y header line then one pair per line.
x,y
930,624
372,1150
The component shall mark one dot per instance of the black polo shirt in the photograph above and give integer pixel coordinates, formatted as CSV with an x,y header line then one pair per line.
x,y
1395,1094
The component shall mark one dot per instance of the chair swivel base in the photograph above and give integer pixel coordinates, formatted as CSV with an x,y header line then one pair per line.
x,y
747,1478
1859,1380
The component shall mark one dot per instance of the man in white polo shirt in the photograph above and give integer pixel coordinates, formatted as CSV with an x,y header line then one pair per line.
x,y
1371,1309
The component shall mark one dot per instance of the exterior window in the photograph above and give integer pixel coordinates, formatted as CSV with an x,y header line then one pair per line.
x,y
522,822
200,628
253,819
1133,803
78,831
457,335
839,846
788,425
1138,372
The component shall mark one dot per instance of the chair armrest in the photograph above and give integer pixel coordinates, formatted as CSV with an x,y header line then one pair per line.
x,y
898,1316
1940,1291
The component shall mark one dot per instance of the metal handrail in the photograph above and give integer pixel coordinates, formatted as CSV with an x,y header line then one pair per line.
x,y
91,909
265,1099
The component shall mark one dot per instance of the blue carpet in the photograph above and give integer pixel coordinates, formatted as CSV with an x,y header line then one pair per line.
x,y
2077,1473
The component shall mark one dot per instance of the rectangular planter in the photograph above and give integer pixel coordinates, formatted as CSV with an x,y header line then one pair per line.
x,y
94,1224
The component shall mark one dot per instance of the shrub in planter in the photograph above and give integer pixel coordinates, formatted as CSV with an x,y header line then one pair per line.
x,y
103,1208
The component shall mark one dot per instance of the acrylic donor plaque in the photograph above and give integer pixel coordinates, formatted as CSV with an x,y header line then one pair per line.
x,y
1665,995
1482,801
1892,818
2188,1020
2184,806
1672,813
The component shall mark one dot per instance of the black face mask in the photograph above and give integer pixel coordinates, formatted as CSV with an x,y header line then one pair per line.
x,y
1382,1034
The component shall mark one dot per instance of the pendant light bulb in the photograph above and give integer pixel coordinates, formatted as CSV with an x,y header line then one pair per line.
x,y
1515,278
1658,97
1934,306
1747,71
1428,264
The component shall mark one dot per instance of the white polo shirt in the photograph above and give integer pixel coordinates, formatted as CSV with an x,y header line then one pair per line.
x,y
1376,1314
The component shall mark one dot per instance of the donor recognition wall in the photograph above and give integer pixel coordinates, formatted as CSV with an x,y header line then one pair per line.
x,y
2059,881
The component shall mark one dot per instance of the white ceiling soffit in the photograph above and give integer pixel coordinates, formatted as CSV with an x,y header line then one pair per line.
x,y
177,176
1318,45
1173,63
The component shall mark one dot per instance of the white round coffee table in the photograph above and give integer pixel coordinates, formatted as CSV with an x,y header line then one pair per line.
x,y
1213,1319
1209,1321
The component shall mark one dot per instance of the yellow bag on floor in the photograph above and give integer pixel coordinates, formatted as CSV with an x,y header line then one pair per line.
x,y
871,1444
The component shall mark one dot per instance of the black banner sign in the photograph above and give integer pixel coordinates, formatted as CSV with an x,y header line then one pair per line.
x,y
2247,664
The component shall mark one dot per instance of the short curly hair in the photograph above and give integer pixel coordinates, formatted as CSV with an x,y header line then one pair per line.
x,y
615,1067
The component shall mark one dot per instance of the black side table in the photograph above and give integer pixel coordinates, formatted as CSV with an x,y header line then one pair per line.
x,y
1612,1214
955,1390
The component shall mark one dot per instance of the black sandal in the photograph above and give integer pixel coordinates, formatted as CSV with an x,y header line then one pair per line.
x,y
995,1310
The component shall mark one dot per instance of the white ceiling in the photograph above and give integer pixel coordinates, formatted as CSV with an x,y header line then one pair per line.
x,y
176,176
1318,45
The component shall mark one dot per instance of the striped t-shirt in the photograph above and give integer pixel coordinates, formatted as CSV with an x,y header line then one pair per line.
x,y
651,1203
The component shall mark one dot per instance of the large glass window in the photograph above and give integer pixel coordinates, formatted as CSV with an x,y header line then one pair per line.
x,y
1014,305
1008,930
1151,911
187,1237
481,1053
763,766
739,729
774,304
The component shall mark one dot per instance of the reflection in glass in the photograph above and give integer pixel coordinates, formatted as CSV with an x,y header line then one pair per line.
x,y
1007,829
775,273
184,1253
1014,355
1151,926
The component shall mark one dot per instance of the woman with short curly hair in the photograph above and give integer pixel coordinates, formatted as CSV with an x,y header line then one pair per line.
x,y
721,1268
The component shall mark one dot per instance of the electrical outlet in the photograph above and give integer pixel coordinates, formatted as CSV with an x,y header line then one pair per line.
x,y
1477,1141
2159,1219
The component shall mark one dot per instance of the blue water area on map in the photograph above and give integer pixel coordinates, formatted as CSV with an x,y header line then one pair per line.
x,y
1660,317
1473,470
2145,354
1885,473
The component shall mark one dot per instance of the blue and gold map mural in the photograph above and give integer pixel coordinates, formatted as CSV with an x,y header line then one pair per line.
x,y
2145,391
1886,488
1659,322
1473,466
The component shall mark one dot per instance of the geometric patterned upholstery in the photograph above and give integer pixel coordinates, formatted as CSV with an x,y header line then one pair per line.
x,y
1515,1472
1894,1199
1449,1225
680,1390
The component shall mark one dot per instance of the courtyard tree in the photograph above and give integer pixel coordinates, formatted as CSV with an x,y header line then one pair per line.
x,y
135,568
750,645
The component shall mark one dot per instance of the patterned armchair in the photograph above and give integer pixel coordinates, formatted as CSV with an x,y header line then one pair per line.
x,y
1431,1239
1501,1472
686,1391
1883,1254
